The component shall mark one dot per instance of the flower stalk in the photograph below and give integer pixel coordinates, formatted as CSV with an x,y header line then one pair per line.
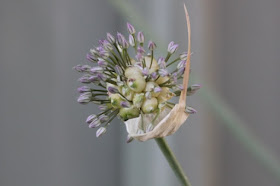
x,y
172,161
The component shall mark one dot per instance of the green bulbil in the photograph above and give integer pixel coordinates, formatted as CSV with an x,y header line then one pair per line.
x,y
129,113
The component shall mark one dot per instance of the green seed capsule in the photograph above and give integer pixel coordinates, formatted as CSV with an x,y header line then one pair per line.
x,y
150,105
138,100
127,92
136,83
129,113
132,71
150,88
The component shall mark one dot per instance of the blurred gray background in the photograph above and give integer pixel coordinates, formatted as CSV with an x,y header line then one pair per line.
x,y
43,137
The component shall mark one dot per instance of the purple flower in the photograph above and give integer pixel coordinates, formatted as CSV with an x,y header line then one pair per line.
x,y
180,72
100,131
140,37
180,87
157,89
90,118
125,104
96,70
151,45
84,89
112,90
95,123
111,38
163,72
131,40
191,110
106,45
170,45
101,63
130,28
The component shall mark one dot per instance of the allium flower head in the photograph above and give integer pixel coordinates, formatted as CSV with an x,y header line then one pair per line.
x,y
130,84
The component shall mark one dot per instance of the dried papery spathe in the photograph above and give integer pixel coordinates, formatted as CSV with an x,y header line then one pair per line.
x,y
169,120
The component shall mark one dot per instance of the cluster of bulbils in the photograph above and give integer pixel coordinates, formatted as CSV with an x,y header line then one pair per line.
x,y
127,85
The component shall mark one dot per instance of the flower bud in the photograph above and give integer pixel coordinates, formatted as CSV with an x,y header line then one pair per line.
x,y
100,131
191,110
84,89
131,40
157,89
111,38
102,63
193,89
145,72
95,123
103,117
85,98
129,139
97,69
129,113
184,56
161,63
136,83
112,90
116,100
140,37
118,70
141,50
172,47
90,118
125,104
154,76
181,64
130,28
151,45
91,58
163,72
85,79
138,99
149,105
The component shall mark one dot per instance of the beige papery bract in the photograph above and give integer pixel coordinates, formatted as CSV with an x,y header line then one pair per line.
x,y
169,120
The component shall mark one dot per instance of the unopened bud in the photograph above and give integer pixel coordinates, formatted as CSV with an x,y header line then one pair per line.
x,y
100,131
193,89
111,38
112,90
151,45
191,110
90,118
131,40
94,123
130,28
140,37
84,89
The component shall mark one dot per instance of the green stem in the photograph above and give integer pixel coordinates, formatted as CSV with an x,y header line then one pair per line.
x,y
172,161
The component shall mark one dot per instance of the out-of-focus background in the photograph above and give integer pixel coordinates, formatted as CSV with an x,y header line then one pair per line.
x,y
232,140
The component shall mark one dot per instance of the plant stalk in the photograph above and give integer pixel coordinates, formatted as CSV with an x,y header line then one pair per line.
x,y
172,161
